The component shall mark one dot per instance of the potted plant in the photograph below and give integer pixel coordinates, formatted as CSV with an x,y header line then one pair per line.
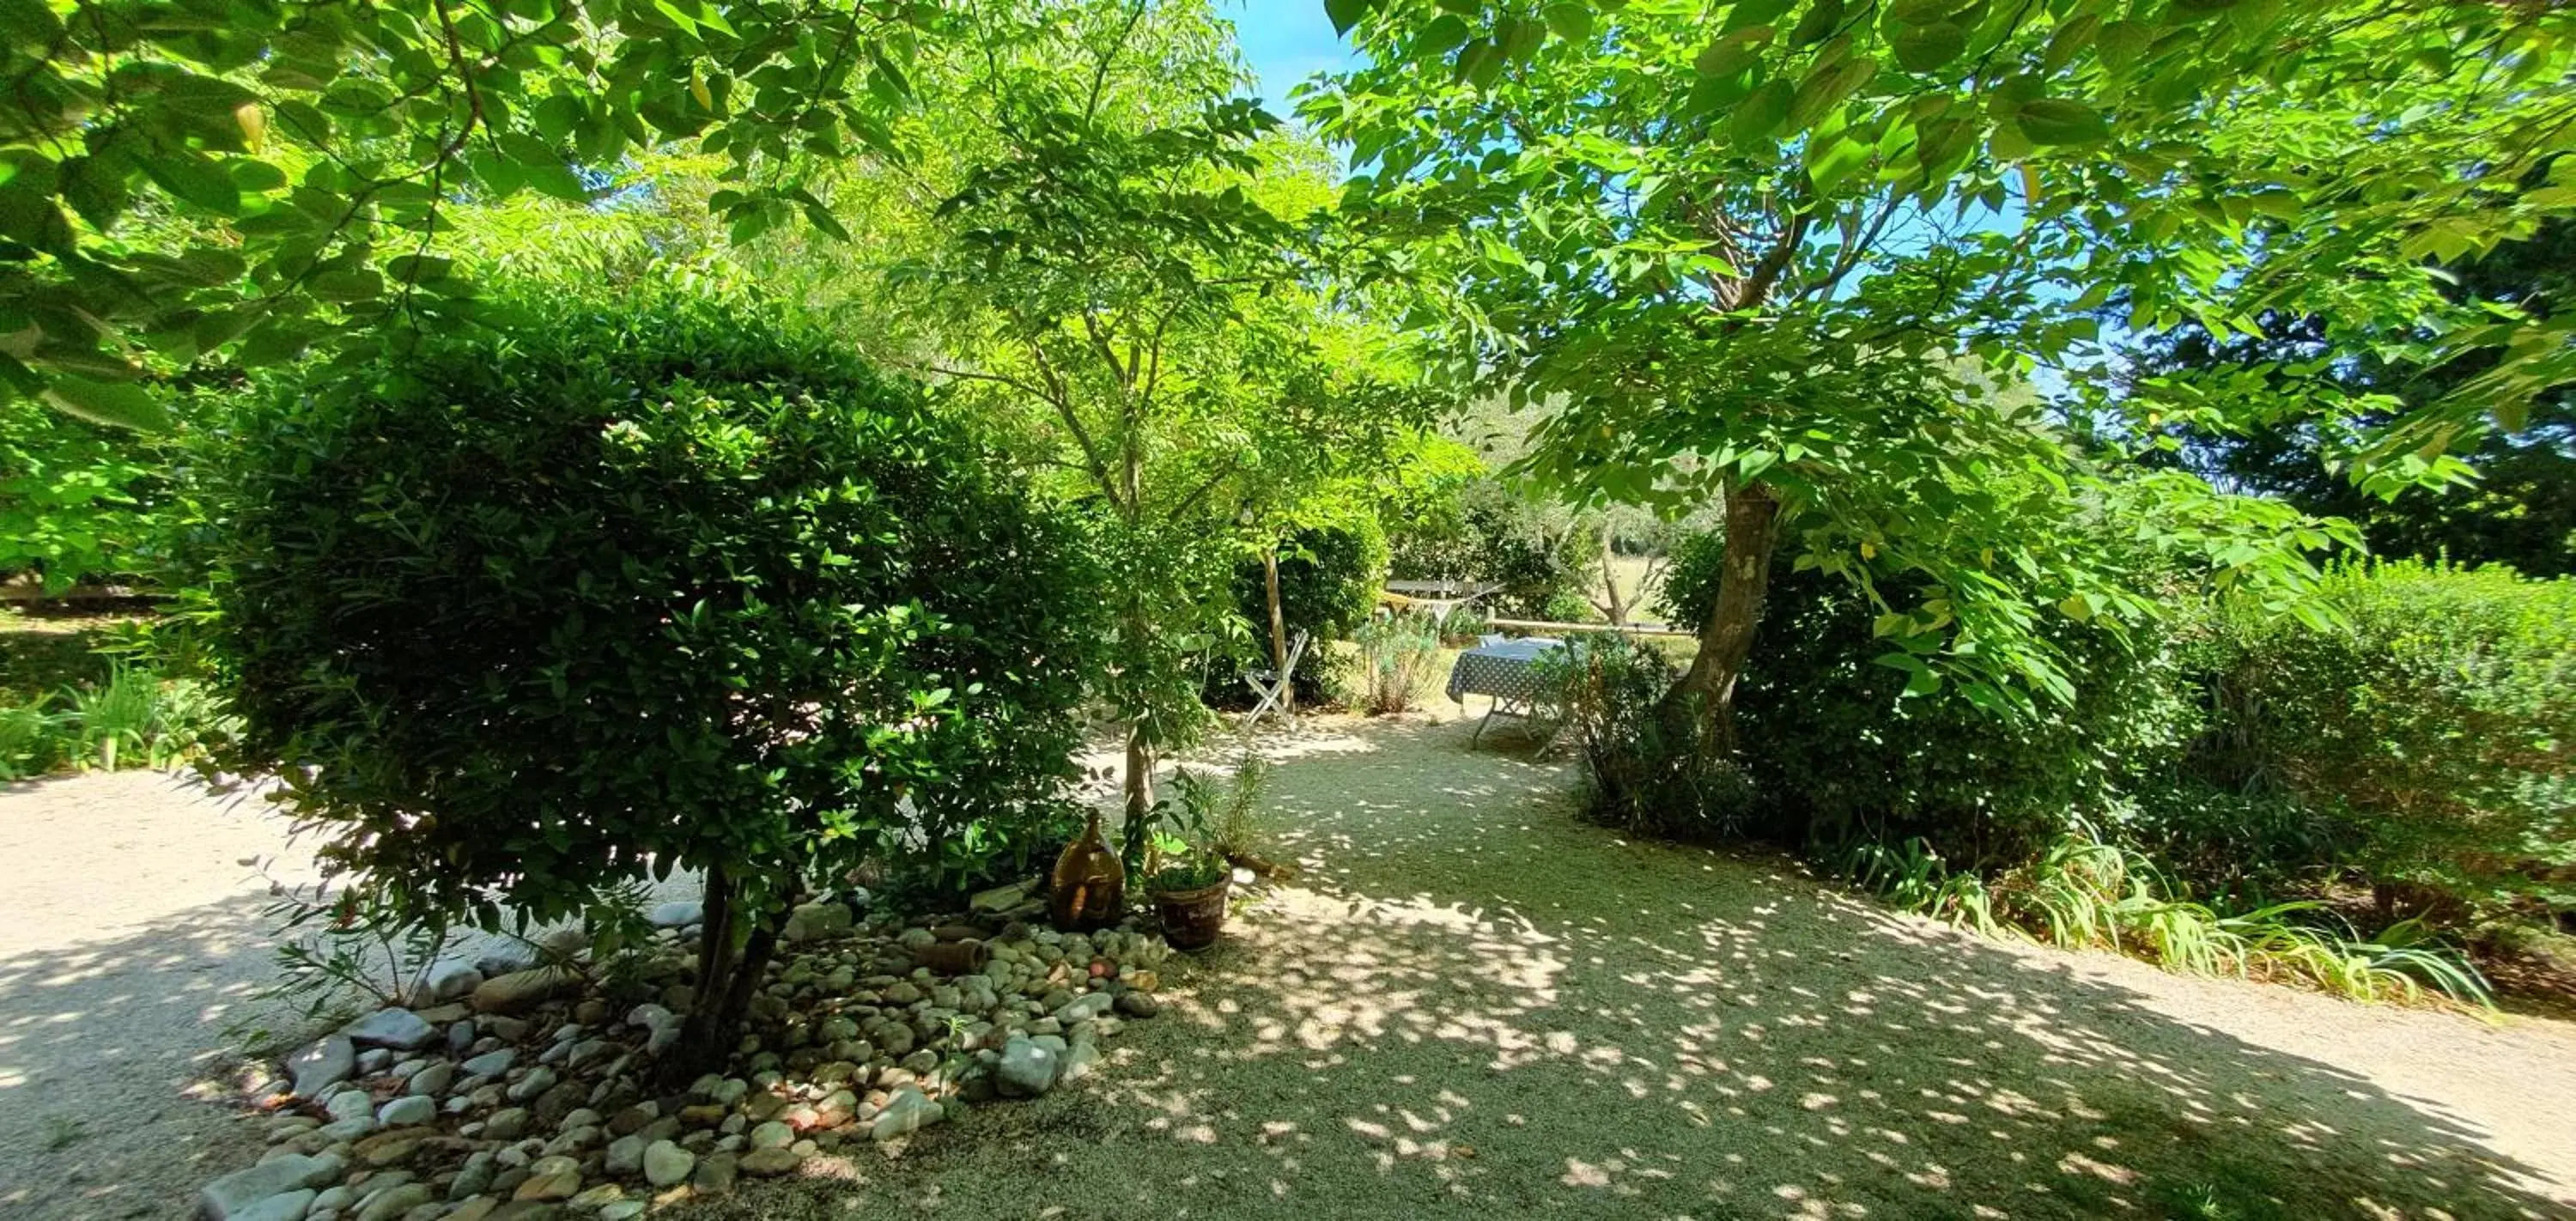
x,y
1189,886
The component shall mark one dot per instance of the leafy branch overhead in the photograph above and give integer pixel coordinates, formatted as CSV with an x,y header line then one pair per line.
x,y
2182,162
243,179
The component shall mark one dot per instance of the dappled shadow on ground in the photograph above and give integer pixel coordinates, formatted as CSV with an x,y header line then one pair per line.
x,y
133,952
115,1068
1476,1006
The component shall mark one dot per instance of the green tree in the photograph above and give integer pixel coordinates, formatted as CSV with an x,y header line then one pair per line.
x,y
673,583
240,179
1115,258
1795,255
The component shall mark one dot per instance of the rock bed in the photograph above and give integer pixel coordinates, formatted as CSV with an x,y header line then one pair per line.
x,y
512,1090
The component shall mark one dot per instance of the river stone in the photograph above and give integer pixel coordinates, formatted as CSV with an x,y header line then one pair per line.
x,y
432,1081
1085,1007
226,1198
666,1164
812,920
401,1029
322,1065
350,1104
1027,1069
285,1206
407,1111
491,1063
1138,1004
769,1162
520,990
714,1174
907,1112
626,1154
396,1201
444,980
772,1135
551,1178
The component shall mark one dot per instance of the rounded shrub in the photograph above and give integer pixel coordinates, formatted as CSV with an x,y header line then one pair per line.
x,y
606,590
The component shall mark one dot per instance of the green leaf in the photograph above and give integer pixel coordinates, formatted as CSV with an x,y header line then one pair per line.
x,y
1445,34
1733,53
1819,23
1572,22
1760,113
1519,37
194,179
1923,48
2120,43
119,404
2061,121
1826,87
1481,64
1347,13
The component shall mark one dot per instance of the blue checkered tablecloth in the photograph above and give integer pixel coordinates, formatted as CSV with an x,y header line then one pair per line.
x,y
1508,671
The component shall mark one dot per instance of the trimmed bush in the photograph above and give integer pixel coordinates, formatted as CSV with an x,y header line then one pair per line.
x,y
2440,724
523,614
1652,769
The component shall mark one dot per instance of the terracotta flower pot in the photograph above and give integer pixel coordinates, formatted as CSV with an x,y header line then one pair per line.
x,y
1192,918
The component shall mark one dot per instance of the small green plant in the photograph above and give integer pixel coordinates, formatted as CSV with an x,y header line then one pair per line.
x,y
2085,893
1397,655
1186,868
32,740
121,713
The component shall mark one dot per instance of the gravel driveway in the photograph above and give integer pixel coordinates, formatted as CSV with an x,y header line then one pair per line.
x,y
1473,1006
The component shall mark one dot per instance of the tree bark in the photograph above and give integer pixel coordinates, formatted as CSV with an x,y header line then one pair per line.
x,y
1617,608
725,981
1726,638
1278,630
1140,796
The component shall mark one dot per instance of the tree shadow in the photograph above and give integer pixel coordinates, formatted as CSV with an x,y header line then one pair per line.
x,y
118,1078
1474,1005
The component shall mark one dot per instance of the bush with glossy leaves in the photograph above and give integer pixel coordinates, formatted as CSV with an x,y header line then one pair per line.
x,y
617,589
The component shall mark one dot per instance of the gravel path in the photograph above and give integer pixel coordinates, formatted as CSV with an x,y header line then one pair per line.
x,y
1473,1006
1476,1007
133,942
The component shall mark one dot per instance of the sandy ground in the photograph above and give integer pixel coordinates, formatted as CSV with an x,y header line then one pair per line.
x,y
1473,1005
132,943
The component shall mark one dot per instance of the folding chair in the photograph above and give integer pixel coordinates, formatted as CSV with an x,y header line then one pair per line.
x,y
1272,685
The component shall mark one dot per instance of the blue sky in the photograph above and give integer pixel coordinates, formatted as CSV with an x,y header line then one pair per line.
x,y
1286,41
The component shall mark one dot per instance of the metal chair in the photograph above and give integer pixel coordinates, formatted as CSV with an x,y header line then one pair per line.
x,y
1273,686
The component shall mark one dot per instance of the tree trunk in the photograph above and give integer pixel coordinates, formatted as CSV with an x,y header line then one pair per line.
x,y
1617,607
726,979
1726,639
1278,631
1140,797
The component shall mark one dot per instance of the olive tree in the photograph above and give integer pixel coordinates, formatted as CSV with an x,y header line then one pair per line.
x,y
614,590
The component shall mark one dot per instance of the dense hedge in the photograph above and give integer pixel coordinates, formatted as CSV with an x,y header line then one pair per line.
x,y
2423,740
668,581
1838,753
2435,728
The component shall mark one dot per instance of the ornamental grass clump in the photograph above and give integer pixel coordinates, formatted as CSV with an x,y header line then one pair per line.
x,y
610,590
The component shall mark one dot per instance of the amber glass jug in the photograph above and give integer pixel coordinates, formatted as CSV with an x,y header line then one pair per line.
x,y
1089,887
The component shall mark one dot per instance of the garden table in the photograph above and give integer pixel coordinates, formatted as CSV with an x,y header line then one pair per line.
x,y
1508,673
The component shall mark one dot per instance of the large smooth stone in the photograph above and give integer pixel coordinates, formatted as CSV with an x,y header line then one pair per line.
x,y
521,990
229,1197
1027,1069
322,1065
399,1029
